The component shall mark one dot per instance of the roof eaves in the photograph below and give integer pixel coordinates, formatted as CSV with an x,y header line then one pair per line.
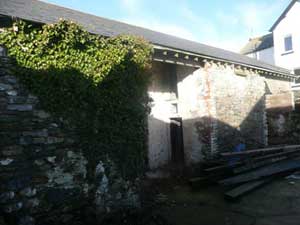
x,y
286,73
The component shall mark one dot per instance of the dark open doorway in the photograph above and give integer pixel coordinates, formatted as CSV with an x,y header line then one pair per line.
x,y
177,141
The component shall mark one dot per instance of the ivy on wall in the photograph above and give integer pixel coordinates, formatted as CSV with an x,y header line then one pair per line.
x,y
97,85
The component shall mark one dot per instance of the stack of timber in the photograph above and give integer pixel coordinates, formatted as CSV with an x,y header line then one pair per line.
x,y
242,172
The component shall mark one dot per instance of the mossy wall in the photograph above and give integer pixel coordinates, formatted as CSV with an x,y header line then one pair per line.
x,y
73,116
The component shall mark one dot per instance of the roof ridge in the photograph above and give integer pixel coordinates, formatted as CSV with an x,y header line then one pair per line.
x,y
283,14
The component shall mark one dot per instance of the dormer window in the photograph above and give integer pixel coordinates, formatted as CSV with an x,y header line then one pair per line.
x,y
288,43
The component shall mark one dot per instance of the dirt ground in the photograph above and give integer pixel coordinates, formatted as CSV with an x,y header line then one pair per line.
x,y
277,203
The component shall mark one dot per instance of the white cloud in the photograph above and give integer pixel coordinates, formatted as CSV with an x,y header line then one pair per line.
x,y
134,10
210,33
227,19
227,29
139,16
234,44
171,29
231,29
253,15
132,6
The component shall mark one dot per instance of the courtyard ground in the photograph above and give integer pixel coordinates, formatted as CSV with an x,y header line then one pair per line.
x,y
277,203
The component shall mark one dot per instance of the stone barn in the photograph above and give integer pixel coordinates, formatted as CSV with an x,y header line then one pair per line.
x,y
204,104
205,100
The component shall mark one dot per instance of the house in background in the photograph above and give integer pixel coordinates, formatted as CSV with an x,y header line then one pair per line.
x,y
283,41
286,35
260,48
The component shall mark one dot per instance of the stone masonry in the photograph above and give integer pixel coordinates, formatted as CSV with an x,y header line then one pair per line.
x,y
222,109
43,173
240,109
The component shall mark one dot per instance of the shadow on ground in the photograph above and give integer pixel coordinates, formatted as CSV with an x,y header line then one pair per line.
x,y
275,204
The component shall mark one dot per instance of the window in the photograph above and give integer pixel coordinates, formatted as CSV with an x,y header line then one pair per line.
x,y
288,43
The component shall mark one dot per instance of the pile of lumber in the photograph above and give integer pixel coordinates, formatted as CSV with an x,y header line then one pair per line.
x,y
244,171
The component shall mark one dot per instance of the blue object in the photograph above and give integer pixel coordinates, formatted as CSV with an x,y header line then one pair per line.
x,y
239,148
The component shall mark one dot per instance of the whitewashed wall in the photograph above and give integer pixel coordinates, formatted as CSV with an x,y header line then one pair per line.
x,y
159,145
192,107
290,25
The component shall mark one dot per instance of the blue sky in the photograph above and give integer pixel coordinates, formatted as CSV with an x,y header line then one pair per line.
x,y
222,23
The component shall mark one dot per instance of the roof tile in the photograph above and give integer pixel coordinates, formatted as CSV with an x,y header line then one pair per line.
x,y
38,11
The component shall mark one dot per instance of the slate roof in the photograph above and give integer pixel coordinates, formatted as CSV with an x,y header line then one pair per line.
x,y
258,44
283,14
38,11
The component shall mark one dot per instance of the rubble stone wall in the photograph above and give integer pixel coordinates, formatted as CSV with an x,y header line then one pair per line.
x,y
240,107
284,119
44,176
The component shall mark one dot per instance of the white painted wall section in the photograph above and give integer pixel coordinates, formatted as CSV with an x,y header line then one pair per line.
x,y
288,26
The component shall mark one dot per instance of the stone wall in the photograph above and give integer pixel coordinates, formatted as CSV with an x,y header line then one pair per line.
x,y
240,107
44,177
277,85
196,106
221,111
284,119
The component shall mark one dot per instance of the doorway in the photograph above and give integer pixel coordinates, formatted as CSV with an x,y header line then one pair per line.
x,y
177,149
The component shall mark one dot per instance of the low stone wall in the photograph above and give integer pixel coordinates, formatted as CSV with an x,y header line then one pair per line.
x,y
44,176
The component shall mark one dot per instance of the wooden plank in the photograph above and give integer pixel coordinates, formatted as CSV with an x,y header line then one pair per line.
x,y
280,167
222,167
259,151
290,152
245,189
252,163
255,165
266,160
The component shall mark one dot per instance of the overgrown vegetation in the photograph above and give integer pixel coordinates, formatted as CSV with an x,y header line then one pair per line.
x,y
98,85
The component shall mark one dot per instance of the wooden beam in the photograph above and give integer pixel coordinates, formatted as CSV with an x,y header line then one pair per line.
x,y
245,189
247,164
170,57
258,151
255,165
222,167
280,167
